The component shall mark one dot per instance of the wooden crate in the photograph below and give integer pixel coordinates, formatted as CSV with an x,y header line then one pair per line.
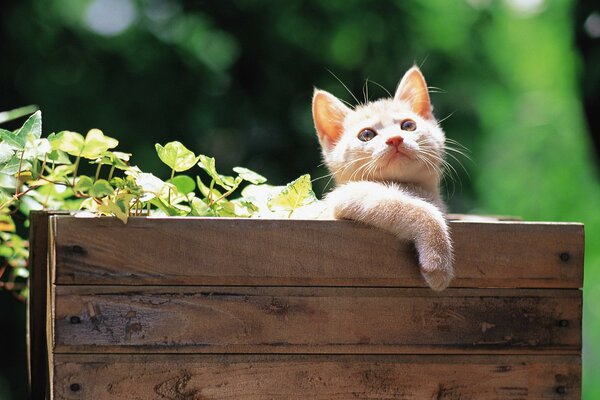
x,y
191,308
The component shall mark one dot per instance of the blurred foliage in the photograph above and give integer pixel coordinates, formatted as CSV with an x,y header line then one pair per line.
x,y
234,79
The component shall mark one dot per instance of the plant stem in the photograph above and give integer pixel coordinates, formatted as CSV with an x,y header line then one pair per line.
x,y
225,194
110,174
171,179
19,173
97,172
75,168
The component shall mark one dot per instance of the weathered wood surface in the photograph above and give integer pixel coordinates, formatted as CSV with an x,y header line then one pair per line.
x,y
255,377
96,319
221,251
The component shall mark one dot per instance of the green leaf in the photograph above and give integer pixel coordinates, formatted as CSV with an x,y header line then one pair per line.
x,y
208,165
58,157
249,175
12,166
16,142
32,127
183,183
97,143
101,188
84,184
176,156
296,194
6,116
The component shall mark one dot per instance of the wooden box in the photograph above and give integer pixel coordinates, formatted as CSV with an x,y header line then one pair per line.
x,y
192,308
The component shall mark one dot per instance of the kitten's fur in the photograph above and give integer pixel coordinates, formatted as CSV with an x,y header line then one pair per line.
x,y
392,180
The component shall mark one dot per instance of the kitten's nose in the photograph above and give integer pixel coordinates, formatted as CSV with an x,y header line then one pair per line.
x,y
395,141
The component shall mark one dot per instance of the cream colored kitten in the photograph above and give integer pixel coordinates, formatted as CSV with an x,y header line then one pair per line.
x,y
385,157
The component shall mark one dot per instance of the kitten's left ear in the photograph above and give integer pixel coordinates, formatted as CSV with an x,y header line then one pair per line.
x,y
413,90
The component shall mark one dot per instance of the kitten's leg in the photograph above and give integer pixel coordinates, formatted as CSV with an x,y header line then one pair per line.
x,y
405,216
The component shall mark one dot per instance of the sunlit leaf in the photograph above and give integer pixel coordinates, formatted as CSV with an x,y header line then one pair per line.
x,y
200,209
70,142
176,156
6,152
208,165
296,194
96,143
249,175
32,127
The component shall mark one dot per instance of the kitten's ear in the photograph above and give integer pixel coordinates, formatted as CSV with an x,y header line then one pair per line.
x,y
413,90
328,114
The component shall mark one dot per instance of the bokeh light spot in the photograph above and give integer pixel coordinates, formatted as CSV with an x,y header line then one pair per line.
x,y
110,17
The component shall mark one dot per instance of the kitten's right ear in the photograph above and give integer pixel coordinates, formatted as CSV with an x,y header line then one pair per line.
x,y
328,114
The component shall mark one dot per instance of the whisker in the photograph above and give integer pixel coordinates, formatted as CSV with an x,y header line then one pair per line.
x,y
344,85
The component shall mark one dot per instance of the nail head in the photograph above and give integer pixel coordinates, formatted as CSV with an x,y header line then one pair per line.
x,y
561,390
75,387
75,319
564,257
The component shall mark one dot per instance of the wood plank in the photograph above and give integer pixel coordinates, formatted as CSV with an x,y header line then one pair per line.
x,y
37,352
253,377
221,251
99,319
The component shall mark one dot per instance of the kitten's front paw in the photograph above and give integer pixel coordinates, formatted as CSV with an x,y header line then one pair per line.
x,y
436,264
438,277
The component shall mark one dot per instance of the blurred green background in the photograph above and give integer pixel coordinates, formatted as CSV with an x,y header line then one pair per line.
x,y
520,84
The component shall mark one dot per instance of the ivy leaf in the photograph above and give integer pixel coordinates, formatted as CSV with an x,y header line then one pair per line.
x,y
296,194
36,149
11,167
84,184
97,143
32,127
183,183
6,152
208,165
118,207
176,156
70,142
101,188
200,208
249,175
16,142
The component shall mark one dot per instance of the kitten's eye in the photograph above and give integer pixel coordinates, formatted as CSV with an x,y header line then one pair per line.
x,y
366,134
408,125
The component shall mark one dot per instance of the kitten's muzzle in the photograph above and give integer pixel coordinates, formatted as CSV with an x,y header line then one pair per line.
x,y
395,141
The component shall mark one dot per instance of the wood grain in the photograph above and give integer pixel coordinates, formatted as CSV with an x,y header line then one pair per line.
x,y
255,377
205,251
316,320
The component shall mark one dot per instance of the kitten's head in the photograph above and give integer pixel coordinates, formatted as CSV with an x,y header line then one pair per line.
x,y
395,140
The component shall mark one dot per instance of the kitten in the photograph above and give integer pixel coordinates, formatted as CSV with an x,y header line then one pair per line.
x,y
386,158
